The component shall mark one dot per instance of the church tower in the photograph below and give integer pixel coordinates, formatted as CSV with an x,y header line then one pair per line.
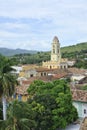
x,y
55,52
56,61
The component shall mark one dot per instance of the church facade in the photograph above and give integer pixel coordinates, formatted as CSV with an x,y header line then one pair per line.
x,y
56,60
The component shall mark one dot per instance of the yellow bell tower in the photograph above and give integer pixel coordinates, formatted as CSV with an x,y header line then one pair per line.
x,y
55,52
56,61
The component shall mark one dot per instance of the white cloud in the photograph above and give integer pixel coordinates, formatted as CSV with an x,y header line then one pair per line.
x,y
33,23
40,9
33,45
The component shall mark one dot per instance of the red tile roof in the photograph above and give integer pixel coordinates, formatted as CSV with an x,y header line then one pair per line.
x,y
77,71
22,90
61,75
79,95
24,84
41,69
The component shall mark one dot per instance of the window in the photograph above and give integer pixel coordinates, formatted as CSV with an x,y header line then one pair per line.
x,y
53,50
44,74
31,75
84,111
61,66
58,50
64,66
41,74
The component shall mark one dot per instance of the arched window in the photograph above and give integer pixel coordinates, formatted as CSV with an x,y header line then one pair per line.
x,y
53,49
58,50
41,74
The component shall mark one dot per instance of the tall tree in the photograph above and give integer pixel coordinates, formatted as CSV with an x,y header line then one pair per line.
x,y
7,81
19,117
54,104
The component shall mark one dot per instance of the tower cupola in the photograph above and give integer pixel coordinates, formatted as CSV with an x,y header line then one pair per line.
x,y
55,39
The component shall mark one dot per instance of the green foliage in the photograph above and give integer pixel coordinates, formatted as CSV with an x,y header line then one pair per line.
x,y
48,108
20,117
53,104
31,58
7,80
83,87
78,51
81,64
74,48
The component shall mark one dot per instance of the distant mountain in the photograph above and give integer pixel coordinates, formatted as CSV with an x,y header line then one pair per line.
x,y
78,47
11,52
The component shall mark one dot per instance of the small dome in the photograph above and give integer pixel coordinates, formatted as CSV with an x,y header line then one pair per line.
x,y
55,39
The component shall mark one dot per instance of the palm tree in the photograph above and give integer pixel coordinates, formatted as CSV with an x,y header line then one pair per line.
x,y
7,82
19,117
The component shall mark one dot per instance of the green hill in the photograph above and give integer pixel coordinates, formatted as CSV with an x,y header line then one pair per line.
x,y
78,47
69,49
70,52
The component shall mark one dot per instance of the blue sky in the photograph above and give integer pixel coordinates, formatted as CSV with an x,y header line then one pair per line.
x,y
32,24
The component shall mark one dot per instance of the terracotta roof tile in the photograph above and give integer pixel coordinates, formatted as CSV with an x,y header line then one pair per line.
x,y
77,71
79,95
22,90
27,82
41,69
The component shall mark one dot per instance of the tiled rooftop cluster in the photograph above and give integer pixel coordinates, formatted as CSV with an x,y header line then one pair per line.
x,y
24,84
77,71
79,95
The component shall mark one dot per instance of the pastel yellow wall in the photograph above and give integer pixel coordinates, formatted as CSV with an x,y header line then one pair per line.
x,y
51,65
23,97
22,74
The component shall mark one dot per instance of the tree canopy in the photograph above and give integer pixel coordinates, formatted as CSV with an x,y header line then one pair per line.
x,y
7,81
52,102
19,117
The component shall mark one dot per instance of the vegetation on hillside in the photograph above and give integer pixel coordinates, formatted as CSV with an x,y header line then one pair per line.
x,y
74,48
81,63
31,58
75,52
